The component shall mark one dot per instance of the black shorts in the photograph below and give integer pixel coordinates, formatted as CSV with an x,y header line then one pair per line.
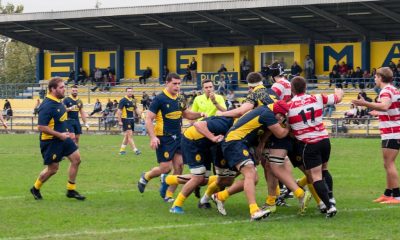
x,y
315,154
295,155
169,146
222,167
280,143
54,150
236,152
128,124
391,144
74,126
194,154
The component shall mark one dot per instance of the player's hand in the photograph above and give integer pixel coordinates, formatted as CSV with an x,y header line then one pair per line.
x,y
154,142
87,125
203,115
359,102
120,123
339,92
5,125
374,113
218,138
64,136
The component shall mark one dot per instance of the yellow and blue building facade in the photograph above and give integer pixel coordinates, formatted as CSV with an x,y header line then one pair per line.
x,y
132,63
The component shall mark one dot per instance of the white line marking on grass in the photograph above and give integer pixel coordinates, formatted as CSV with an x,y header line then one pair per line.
x,y
139,229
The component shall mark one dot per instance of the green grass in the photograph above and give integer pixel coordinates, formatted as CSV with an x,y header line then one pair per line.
x,y
114,209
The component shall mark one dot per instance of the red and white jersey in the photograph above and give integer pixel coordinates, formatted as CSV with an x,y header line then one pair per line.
x,y
389,121
305,116
283,90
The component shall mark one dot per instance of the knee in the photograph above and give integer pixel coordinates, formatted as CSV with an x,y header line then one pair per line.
x,y
52,169
165,169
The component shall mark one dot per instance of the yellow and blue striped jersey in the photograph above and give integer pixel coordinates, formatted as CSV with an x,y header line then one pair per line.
x,y
251,125
127,106
261,96
52,113
71,101
216,125
168,110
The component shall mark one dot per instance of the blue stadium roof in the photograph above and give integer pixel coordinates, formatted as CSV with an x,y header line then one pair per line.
x,y
221,23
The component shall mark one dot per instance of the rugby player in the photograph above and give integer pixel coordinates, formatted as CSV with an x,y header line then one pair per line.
x,y
74,106
55,141
389,125
126,119
167,109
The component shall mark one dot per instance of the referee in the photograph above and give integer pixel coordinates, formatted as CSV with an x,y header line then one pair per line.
x,y
208,102
55,141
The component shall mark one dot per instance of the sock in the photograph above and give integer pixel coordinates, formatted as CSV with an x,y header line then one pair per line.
x,y
388,192
71,186
223,195
179,200
123,146
212,188
169,194
147,177
38,184
302,182
278,191
329,182
396,192
253,208
135,149
204,199
270,200
298,193
212,179
313,193
322,190
172,180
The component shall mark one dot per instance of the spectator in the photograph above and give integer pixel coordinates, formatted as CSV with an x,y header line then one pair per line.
x,y
328,109
97,107
115,105
71,76
245,66
295,70
358,76
109,104
42,93
193,69
351,113
231,99
153,95
146,74
366,78
165,73
7,110
188,75
222,85
145,101
222,70
111,70
343,69
36,108
98,76
309,67
336,66
371,82
392,66
265,70
349,77
81,77
334,78
282,63
111,79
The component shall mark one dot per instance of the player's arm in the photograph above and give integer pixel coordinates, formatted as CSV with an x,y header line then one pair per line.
x,y
261,144
202,128
192,115
383,106
278,130
49,131
154,141
119,112
84,117
237,112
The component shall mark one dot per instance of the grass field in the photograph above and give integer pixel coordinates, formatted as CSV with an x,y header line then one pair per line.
x,y
114,209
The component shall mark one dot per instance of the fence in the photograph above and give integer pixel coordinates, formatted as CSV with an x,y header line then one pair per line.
x,y
338,127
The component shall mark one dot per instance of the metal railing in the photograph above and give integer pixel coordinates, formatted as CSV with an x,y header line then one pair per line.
x,y
338,127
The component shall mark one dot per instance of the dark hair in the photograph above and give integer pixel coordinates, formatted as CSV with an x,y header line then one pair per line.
x,y
254,77
74,86
385,73
298,85
126,89
53,83
206,81
171,76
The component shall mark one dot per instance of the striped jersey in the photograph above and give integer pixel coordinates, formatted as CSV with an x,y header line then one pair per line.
x,y
389,121
305,116
283,90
